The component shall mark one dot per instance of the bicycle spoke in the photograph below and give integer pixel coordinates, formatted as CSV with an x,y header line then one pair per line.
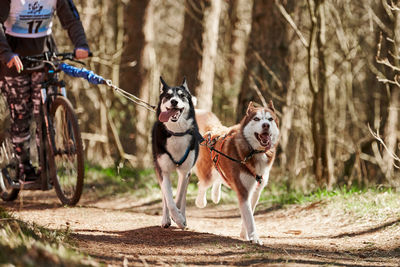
x,y
68,159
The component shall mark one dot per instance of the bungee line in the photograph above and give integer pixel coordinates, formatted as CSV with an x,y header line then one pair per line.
x,y
94,78
130,96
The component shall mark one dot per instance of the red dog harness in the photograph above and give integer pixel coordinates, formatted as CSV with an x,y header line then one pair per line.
x,y
211,143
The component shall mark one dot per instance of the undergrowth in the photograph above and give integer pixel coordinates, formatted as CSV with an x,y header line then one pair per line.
x,y
361,205
104,182
143,183
25,244
280,194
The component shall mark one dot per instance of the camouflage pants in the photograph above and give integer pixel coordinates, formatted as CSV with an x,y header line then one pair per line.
x,y
23,98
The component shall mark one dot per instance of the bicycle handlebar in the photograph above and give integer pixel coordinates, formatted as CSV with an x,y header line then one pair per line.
x,y
52,56
54,60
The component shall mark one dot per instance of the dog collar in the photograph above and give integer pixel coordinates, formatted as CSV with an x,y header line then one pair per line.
x,y
251,154
189,131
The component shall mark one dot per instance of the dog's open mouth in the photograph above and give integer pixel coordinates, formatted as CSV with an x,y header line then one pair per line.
x,y
173,113
264,139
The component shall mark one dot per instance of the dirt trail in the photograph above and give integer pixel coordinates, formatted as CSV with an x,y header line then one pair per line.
x,y
122,229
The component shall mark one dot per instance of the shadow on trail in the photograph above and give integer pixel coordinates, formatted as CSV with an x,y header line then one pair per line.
x,y
157,244
154,236
370,230
33,202
234,213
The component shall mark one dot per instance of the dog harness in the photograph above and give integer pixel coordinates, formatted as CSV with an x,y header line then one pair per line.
x,y
211,142
190,131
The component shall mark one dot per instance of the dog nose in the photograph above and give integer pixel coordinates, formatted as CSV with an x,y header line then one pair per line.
x,y
265,125
174,102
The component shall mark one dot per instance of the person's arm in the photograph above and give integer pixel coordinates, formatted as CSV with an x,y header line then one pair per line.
x,y
6,53
7,57
70,21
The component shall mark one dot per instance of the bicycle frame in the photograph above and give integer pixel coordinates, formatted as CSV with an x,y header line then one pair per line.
x,y
60,153
46,100
44,125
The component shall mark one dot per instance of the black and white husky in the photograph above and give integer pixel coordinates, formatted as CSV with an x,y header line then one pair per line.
x,y
175,144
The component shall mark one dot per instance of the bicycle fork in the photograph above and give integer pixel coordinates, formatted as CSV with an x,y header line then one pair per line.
x,y
43,152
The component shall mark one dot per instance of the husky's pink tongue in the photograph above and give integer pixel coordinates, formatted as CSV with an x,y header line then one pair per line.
x,y
265,140
164,116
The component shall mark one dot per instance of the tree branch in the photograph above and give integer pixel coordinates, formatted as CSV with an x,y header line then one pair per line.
x,y
291,23
379,139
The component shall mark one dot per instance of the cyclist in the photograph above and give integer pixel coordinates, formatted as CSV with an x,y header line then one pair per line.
x,y
25,30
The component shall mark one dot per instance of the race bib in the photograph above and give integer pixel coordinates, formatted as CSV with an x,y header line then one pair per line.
x,y
30,18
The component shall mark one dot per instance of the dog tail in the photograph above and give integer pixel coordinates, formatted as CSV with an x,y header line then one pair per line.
x,y
207,121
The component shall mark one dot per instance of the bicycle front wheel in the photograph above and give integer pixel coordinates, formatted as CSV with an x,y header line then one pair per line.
x,y
8,170
66,164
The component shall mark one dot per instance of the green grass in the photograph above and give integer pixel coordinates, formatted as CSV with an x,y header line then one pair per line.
x,y
356,203
104,182
367,205
281,195
24,244
110,182
361,205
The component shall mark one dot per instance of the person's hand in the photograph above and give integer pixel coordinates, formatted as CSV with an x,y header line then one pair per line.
x,y
81,53
17,63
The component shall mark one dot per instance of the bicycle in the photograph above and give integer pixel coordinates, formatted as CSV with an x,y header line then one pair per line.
x,y
60,153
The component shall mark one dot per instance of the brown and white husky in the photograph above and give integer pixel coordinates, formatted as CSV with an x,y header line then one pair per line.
x,y
239,157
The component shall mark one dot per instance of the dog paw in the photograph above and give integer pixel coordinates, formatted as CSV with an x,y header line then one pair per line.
x,y
201,201
180,220
165,223
181,223
216,193
255,240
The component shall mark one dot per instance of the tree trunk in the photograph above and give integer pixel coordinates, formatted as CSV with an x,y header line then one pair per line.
x,y
394,103
240,18
204,91
323,162
266,66
191,45
135,16
147,70
132,73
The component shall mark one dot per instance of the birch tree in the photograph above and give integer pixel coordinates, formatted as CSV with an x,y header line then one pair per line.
x,y
204,90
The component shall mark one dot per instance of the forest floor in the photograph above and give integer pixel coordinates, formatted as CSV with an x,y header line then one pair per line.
x,y
125,231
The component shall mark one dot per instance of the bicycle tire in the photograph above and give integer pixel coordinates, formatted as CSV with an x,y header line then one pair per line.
x,y
9,169
67,151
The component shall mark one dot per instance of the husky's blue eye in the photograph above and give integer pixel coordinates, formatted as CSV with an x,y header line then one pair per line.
x,y
256,119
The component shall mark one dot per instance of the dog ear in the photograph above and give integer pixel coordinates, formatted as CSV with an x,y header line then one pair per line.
x,y
250,107
163,85
271,106
184,84
194,100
